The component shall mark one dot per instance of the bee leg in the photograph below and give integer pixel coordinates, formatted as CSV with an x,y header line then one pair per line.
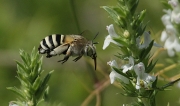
x,y
76,59
64,60
48,54
66,57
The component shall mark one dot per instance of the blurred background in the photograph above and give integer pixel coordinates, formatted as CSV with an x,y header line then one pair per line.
x,y
24,23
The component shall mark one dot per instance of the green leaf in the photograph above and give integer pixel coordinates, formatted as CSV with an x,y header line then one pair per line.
x,y
120,72
40,65
17,91
146,51
37,83
23,77
119,11
166,5
46,93
121,3
113,14
169,84
141,16
150,67
21,66
46,79
22,71
155,83
22,54
28,58
39,102
120,41
23,82
133,4
33,53
140,29
41,90
138,22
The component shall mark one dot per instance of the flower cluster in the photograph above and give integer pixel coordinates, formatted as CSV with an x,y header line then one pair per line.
x,y
133,76
144,80
170,35
134,45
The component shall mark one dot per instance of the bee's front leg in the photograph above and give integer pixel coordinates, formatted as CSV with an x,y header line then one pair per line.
x,y
77,58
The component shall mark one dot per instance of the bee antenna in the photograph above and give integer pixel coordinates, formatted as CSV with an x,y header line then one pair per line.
x,y
81,32
95,36
95,42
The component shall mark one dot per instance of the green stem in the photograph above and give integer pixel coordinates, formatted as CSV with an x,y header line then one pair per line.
x,y
72,5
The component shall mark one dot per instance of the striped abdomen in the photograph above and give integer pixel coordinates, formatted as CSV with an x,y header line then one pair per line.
x,y
50,42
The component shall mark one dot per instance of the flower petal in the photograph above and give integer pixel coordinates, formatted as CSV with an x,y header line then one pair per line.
x,y
110,37
166,18
125,68
163,35
147,41
175,17
131,61
138,83
113,63
148,80
111,31
173,3
139,69
113,75
107,42
129,66
177,45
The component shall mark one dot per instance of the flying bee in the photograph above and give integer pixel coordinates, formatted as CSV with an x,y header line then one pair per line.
x,y
69,45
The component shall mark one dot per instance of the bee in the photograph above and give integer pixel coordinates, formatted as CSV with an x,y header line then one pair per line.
x,y
69,45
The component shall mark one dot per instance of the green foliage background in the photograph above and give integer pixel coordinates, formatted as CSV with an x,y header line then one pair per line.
x,y
23,23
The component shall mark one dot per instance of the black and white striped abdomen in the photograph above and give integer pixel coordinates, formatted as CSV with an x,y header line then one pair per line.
x,y
50,42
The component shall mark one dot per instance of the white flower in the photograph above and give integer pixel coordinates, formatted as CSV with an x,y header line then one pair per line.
x,y
166,18
175,17
172,43
173,3
113,64
144,80
128,66
147,41
114,75
175,14
110,37
12,104
139,69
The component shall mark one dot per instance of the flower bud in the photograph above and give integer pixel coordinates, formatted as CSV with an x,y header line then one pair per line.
x,y
126,34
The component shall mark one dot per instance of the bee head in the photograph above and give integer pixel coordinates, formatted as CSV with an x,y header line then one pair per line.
x,y
90,50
